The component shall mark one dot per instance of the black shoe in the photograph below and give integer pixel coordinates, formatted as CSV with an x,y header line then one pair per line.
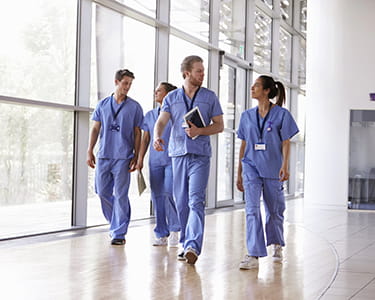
x,y
181,256
118,242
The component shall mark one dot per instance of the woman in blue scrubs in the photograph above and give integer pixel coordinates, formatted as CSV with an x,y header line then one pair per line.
x,y
265,132
161,176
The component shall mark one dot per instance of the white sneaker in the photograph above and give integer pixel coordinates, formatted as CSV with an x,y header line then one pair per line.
x,y
249,262
163,241
191,256
173,239
277,253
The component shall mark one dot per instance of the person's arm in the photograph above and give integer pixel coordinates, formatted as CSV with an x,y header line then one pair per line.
x,y
239,169
143,149
160,124
284,171
216,126
92,142
137,145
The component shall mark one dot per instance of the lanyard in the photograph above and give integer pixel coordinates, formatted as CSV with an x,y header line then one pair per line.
x,y
192,100
113,110
261,128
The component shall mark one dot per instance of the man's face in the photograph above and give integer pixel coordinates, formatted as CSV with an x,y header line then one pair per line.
x,y
123,85
196,75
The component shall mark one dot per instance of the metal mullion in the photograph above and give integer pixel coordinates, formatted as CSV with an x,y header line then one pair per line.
x,y
81,118
39,103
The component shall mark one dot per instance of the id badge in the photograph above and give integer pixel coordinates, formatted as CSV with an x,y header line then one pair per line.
x,y
260,147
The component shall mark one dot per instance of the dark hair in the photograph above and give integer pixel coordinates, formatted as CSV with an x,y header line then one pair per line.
x,y
187,63
122,73
168,86
276,89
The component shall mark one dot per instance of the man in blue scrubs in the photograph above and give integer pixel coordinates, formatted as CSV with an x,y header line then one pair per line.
x,y
161,175
117,120
190,149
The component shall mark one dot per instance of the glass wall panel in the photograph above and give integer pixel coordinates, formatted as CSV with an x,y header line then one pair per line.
x,y
287,10
302,64
262,40
303,16
148,7
178,50
232,27
225,161
299,140
285,54
37,56
36,158
135,54
269,3
362,160
191,16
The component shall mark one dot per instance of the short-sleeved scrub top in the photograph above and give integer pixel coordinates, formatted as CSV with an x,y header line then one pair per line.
x,y
280,126
177,105
117,133
157,158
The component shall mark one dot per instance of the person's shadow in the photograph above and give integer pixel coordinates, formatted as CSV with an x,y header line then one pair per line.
x,y
190,283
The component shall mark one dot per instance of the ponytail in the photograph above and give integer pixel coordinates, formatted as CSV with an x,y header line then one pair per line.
x,y
276,89
280,94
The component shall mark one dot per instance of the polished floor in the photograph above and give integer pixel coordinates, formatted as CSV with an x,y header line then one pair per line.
x,y
329,255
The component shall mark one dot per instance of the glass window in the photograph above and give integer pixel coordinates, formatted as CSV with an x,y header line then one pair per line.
x,y
225,162
269,3
112,30
287,10
361,193
36,159
178,50
148,7
254,102
37,56
302,64
232,26
285,54
191,16
262,43
137,55
303,16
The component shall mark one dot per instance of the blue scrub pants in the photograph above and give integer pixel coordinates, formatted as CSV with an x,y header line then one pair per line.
x,y
161,183
190,177
112,180
274,204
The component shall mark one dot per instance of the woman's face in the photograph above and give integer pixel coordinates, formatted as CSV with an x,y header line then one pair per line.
x,y
160,93
257,91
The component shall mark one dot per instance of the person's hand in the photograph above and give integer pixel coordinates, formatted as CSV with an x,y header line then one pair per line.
x,y
284,174
239,183
139,165
158,144
192,130
133,164
91,159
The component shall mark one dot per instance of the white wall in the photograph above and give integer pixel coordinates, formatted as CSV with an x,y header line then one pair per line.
x,y
340,75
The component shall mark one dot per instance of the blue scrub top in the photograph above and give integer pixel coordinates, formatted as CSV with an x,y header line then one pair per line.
x,y
209,106
157,158
280,126
117,144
